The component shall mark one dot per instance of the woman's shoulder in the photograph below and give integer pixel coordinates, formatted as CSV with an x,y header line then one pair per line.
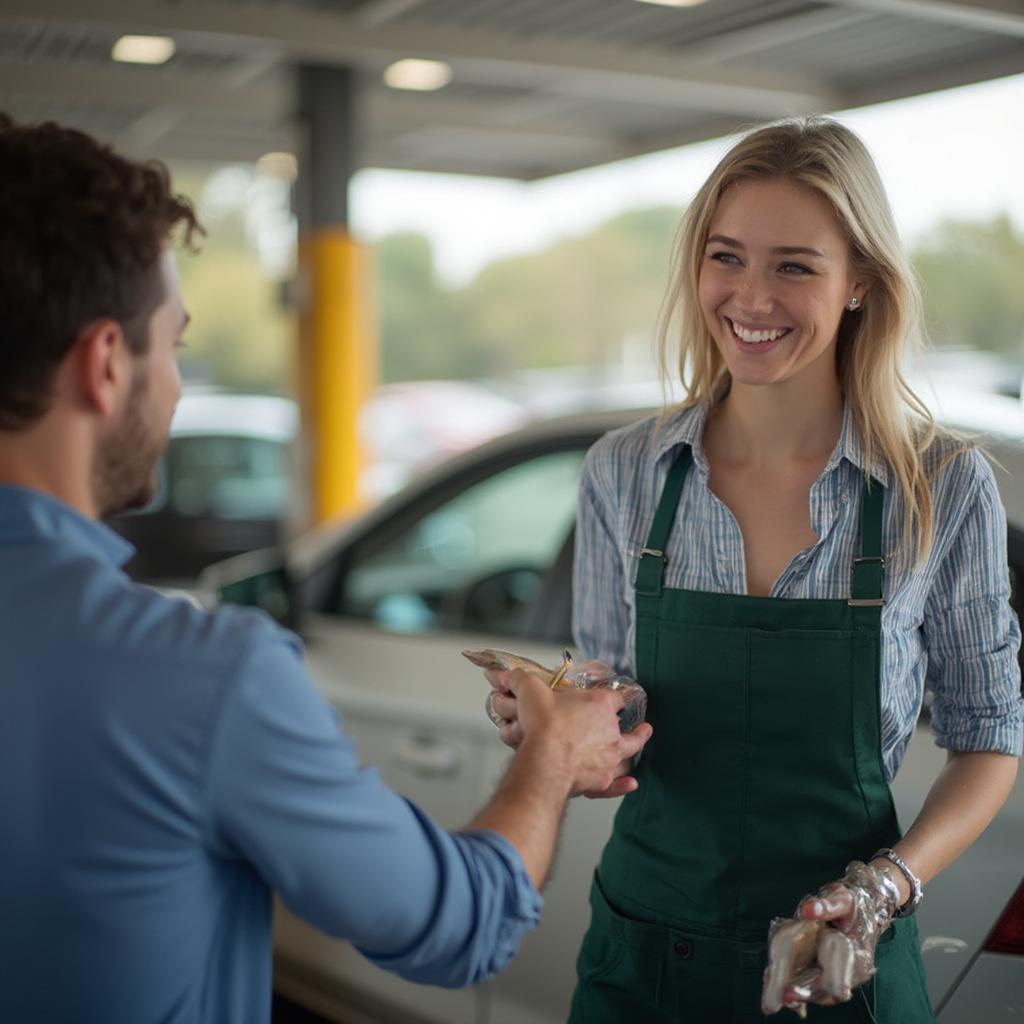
x,y
955,459
963,482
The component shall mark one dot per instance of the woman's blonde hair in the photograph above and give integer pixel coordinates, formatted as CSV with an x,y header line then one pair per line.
x,y
894,425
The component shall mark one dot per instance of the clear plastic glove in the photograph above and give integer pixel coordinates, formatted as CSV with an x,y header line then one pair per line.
x,y
822,953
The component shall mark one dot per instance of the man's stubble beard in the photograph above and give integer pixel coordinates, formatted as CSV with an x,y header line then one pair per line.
x,y
124,472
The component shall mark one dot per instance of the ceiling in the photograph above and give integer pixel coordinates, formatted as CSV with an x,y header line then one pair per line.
x,y
539,86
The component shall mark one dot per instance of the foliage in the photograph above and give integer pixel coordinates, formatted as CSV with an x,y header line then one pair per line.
x,y
972,276
240,336
576,302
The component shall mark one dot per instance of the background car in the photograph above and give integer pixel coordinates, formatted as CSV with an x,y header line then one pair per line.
x,y
478,553
224,485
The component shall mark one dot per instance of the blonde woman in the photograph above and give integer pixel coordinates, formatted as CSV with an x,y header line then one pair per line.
x,y
786,562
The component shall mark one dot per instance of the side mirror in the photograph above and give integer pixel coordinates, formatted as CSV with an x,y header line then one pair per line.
x,y
256,579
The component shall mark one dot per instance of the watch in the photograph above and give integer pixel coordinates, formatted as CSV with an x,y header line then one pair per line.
x,y
916,890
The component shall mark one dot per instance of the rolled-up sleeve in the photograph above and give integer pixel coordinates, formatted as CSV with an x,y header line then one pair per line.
x,y
971,633
286,793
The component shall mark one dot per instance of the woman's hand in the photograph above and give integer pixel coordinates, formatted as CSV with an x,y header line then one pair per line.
x,y
503,704
828,948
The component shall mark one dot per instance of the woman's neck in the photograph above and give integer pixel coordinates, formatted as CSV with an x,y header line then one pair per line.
x,y
766,425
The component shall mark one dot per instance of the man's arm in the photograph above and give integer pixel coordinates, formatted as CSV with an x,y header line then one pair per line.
x,y
285,793
571,744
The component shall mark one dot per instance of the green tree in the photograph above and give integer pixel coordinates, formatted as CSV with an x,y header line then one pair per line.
x,y
422,330
575,302
240,337
972,277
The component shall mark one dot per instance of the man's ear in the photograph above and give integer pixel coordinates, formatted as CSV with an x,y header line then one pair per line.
x,y
102,366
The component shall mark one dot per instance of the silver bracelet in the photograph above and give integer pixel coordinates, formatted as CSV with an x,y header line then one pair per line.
x,y
916,891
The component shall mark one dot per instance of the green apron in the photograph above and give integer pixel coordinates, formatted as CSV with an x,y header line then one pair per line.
x,y
763,779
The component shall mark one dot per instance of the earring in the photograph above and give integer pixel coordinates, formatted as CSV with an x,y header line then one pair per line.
x,y
853,304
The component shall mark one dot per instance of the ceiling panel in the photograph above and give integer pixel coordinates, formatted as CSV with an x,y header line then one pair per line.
x,y
539,86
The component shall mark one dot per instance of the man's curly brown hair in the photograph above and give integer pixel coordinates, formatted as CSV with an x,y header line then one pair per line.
x,y
82,230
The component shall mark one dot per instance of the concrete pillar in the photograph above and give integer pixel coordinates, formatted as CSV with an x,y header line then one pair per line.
x,y
337,345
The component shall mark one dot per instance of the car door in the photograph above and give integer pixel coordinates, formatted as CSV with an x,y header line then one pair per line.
x,y
482,559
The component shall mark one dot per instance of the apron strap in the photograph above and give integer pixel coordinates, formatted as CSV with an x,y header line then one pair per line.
x,y
651,569
868,572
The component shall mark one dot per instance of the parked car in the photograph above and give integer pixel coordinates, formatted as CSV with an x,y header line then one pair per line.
x,y
478,553
224,485
409,426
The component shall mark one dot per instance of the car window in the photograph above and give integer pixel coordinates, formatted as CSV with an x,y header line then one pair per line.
x,y
475,562
227,477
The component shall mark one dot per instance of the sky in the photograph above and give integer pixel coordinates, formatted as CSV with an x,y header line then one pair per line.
x,y
957,153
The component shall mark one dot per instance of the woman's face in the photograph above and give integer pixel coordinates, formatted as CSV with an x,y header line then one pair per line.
x,y
774,279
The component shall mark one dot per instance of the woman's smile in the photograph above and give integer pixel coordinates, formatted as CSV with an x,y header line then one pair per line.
x,y
757,338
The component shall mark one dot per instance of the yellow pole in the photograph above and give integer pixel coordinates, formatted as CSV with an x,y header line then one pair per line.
x,y
337,368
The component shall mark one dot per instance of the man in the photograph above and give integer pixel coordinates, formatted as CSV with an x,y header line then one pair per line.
x,y
163,769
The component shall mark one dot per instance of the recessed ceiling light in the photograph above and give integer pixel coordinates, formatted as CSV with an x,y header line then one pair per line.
x,y
283,166
422,75
672,3
143,49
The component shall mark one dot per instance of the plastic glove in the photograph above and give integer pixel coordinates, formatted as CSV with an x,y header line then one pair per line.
x,y
827,949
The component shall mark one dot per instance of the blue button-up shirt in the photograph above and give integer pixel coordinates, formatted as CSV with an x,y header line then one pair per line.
x,y
162,770
947,625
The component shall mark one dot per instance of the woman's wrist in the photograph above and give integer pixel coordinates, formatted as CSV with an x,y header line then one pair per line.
x,y
899,872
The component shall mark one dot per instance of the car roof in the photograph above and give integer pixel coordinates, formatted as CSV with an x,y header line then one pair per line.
x,y
267,417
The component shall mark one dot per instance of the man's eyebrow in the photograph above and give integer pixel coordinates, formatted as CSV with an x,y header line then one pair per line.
x,y
781,250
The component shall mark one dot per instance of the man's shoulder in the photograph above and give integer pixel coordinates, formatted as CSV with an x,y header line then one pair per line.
x,y
132,622
182,629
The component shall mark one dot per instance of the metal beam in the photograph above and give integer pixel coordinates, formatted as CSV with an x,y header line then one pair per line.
x,y
128,87
947,77
377,12
795,28
593,70
1000,17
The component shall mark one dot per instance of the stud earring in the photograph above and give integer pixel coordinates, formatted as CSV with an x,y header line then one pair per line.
x,y
853,304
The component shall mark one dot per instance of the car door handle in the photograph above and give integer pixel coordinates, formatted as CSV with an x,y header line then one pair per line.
x,y
426,756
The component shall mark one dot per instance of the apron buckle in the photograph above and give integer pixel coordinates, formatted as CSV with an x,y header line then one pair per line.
x,y
652,551
867,602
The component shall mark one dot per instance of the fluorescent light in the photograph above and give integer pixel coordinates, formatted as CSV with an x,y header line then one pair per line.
x,y
422,75
672,3
143,49
283,166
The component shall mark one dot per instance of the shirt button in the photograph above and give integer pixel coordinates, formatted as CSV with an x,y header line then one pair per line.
x,y
683,948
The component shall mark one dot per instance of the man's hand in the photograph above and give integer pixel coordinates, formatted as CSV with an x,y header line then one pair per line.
x,y
580,726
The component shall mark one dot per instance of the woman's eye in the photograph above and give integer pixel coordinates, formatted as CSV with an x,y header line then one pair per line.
x,y
729,258
796,268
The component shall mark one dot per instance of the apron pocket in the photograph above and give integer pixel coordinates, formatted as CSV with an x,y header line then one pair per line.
x,y
620,964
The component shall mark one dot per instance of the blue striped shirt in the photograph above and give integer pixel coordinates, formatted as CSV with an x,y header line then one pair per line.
x,y
947,625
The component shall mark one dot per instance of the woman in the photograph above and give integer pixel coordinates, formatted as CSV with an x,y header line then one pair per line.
x,y
785,562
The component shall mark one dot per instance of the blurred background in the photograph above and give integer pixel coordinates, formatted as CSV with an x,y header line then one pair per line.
x,y
497,302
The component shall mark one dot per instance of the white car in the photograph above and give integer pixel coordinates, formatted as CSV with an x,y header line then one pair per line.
x,y
478,553
224,485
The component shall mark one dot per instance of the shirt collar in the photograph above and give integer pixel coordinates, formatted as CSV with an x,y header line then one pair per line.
x,y
31,515
686,426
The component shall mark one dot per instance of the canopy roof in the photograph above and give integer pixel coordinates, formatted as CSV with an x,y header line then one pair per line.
x,y
539,87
